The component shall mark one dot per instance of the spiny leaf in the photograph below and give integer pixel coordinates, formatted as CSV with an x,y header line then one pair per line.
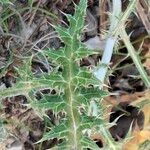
x,y
72,23
82,100
88,122
88,143
80,11
76,24
54,102
83,52
25,72
64,34
89,93
85,95
23,87
85,78
52,79
56,56
59,132
71,82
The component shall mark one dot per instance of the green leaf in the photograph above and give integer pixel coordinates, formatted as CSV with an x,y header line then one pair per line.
x,y
52,80
56,56
85,95
59,132
54,102
92,92
85,78
76,22
72,24
20,88
23,87
88,122
25,72
79,15
82,100
64,34
88,143
75,86
83,52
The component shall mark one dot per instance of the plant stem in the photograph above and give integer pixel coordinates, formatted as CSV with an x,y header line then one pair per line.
x,y
117,22
72,110
100,73
135,58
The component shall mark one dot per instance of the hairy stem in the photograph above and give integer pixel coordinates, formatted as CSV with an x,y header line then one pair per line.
x,y
72,111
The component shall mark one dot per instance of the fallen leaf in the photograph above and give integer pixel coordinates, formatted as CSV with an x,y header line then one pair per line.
x,y
140,136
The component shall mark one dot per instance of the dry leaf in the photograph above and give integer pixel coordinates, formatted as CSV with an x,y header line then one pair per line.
x,y
140,136
147,55
147,62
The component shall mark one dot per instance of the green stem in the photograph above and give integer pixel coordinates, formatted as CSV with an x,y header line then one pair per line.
x,y
135,58
72,110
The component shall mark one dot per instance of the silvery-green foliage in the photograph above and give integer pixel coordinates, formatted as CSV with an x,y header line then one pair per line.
x,y
75,88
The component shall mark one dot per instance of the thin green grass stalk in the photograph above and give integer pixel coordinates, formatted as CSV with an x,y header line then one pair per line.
x,y
3,18
135,57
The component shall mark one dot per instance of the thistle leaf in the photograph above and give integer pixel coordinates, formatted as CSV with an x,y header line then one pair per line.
x,y
23,87
64,34
83,52
56,56
88,122
54,102
89,93
88,143
80,11
85,78
25,72
52,80
59,132
85,95
75,85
